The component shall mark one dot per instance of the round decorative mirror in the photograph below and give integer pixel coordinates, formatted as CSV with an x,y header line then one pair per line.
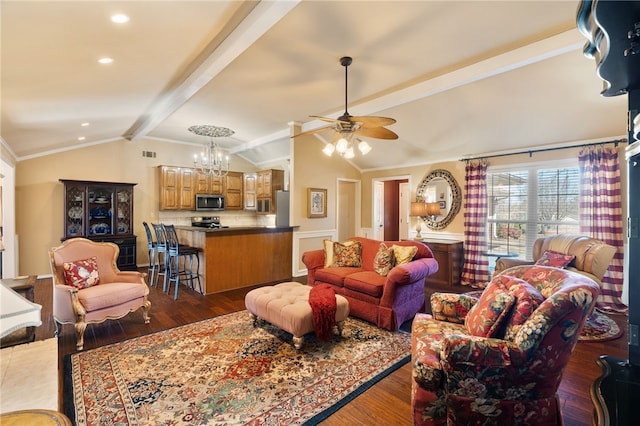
x,y
440,191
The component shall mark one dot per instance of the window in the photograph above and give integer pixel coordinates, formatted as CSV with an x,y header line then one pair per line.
x,y
526,203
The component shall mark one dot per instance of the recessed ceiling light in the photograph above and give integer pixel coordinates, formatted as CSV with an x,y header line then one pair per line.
x,y
81,138
119,18
105,60
85,124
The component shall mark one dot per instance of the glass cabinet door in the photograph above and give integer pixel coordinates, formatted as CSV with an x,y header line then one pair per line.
x,y
74,211
124,210
100,210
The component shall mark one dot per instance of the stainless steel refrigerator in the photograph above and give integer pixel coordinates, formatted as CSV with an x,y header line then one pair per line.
x,y
282,208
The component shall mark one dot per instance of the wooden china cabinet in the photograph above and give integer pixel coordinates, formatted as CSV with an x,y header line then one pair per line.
x,y
101,211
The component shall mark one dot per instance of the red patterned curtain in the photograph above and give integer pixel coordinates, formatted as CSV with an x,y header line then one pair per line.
x,y
601,216
476,264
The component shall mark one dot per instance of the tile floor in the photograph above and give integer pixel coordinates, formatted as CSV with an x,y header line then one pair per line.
x,y
29,376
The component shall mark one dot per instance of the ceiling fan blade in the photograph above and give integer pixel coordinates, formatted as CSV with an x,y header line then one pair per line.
x,y
330,120
366,125
311,132
376,132
373,121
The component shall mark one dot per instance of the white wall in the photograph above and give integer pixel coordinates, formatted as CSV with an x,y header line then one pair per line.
x,y
8,220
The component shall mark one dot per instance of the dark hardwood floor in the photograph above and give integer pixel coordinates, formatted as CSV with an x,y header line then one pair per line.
x,y
388,402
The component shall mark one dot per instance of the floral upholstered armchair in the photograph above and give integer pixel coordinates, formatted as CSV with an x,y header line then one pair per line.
x,y
499,359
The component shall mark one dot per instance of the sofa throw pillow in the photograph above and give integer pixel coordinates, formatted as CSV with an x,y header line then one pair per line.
x,y
487,317
403,254
347,255
528,298
555,259
384,260
81,273
328,251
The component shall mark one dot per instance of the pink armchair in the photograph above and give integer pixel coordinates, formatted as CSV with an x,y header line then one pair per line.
x,y
107,293
499,359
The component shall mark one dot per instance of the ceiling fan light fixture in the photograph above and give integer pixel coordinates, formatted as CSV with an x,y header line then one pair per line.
x,y
346,127
364,147
349,153
328,149
342,145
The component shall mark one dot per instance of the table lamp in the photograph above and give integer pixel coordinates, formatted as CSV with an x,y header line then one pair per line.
x,y
433,209
418,209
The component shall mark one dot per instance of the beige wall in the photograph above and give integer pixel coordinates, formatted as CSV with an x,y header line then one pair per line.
x,y
416,175
39,210
313,169
39,194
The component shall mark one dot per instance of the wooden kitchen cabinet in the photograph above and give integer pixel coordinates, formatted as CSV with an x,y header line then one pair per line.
x,y
449,254
215,186
203,183
187,199
250,182
169,187
267,183
103,212
207,184
233,184
178,188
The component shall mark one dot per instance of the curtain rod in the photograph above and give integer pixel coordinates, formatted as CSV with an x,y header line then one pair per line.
x,y
532,151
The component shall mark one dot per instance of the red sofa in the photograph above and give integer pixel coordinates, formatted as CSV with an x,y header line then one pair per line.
x,y
386,301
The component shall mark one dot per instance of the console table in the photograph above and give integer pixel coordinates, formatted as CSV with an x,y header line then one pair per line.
x,y
449,254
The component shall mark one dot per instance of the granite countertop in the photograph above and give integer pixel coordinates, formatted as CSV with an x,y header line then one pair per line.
x,y
237,229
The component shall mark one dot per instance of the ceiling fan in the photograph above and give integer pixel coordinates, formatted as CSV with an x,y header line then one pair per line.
x,y
348,125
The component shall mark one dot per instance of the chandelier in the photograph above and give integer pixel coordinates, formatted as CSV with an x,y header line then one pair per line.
x,y
210,161
345,144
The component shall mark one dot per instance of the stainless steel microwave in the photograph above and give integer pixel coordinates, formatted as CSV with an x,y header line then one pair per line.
x,y
209,202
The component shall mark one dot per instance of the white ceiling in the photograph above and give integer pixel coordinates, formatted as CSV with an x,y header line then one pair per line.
x,y
460,77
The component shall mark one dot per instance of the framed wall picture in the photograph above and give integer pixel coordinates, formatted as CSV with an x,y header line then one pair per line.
x,y
317,202
443,205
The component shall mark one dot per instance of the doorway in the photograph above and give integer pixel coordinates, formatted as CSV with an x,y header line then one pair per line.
x,y
390,208
348,208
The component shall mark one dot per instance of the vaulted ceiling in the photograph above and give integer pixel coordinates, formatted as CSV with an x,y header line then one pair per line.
x,y
460,77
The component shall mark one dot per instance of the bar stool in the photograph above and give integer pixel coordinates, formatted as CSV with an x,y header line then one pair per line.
x,y
162,249
152,248
179,256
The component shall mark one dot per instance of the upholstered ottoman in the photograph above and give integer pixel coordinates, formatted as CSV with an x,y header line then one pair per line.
x,y
286,305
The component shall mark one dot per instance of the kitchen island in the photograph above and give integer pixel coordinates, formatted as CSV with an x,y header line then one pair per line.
x,y
232,258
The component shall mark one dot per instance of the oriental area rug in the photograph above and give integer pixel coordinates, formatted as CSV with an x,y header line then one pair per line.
x,y
599,328
225,371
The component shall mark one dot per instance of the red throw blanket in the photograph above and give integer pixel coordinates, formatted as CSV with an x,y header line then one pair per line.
x,y
322,299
